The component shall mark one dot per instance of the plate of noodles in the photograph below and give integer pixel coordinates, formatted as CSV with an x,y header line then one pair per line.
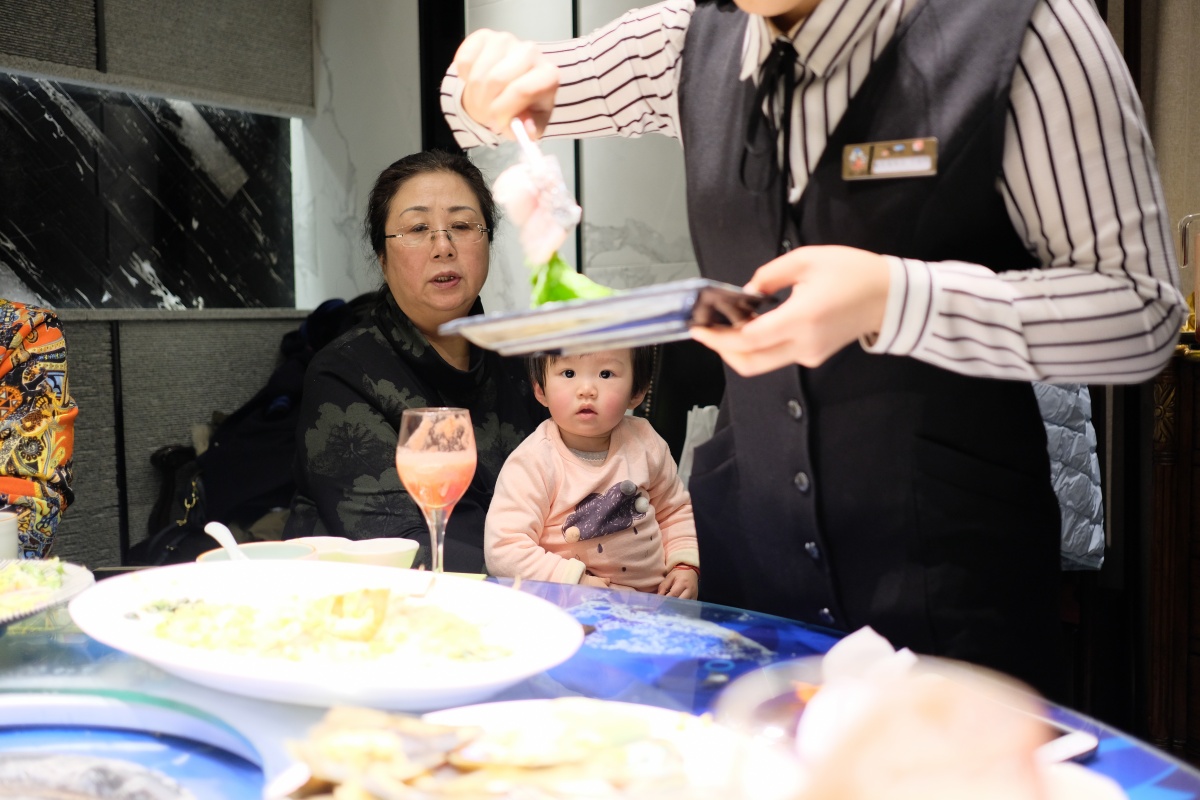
x,y
327,633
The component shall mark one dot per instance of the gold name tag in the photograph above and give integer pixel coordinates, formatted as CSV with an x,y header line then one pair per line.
x,y
903,158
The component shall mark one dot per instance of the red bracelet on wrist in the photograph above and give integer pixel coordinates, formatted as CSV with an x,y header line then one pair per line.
x,y
687,566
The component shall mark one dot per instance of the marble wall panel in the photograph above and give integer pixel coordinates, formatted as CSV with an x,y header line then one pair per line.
x,y
634,230
507,287
114,200
368,115
635,227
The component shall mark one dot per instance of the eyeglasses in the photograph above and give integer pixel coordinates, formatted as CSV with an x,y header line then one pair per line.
x,y
457,233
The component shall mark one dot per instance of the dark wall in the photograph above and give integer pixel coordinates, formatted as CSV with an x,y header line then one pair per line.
x,y
442,24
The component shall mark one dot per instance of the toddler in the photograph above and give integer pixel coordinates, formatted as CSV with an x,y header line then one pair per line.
x,y
592,496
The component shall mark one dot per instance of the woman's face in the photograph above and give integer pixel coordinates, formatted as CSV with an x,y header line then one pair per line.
x,y
439,280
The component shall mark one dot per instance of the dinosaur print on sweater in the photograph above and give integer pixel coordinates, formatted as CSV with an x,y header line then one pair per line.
x,y
601,514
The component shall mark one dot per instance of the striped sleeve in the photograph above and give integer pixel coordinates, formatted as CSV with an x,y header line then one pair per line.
x,y
620,80
1080,184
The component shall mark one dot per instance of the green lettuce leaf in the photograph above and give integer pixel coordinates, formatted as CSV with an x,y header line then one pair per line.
x,y
557,280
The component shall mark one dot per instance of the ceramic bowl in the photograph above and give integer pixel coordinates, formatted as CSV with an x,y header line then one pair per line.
x,y
265,551
323,544
384,552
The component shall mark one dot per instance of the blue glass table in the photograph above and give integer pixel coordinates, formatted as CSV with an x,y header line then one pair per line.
x,y
61,691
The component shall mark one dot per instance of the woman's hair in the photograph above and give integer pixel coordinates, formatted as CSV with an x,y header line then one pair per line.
x,y
399,173
643,367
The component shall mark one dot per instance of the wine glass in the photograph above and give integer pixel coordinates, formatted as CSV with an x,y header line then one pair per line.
x,y
436,461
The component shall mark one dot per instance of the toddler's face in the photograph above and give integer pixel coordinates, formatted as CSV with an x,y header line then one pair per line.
x,y
588,394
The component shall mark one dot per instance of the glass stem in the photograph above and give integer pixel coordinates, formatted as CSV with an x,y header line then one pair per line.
x,y
436,519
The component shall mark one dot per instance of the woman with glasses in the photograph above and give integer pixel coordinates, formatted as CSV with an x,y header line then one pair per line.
x,y
430,218
952,199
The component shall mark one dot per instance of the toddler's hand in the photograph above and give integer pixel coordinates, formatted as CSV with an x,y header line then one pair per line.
x,y
684,583
592,580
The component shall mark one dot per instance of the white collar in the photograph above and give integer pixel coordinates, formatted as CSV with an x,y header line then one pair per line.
x,y
822,40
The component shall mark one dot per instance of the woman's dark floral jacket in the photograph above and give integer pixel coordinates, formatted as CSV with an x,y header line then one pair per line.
x,y
354,392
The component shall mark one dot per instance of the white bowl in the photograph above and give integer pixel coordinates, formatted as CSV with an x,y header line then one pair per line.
x,y
323,544
384,552
264,551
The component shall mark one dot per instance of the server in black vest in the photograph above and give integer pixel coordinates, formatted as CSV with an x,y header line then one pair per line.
x,y
954,198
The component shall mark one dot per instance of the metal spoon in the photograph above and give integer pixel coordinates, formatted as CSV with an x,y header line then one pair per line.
x,y
225,538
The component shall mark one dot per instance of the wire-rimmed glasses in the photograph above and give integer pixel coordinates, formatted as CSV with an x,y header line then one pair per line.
x,y
457,233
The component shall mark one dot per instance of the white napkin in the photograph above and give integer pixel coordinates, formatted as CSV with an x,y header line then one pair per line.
x,y
701,421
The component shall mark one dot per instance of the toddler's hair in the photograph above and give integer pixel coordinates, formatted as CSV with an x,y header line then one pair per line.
x,y
642,358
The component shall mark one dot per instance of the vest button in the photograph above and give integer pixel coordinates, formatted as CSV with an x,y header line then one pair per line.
x,y
813,550
802,482
826,616
795,410
785,245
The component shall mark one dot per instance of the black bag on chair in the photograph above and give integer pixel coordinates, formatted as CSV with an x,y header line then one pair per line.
x,y
246,472
176,527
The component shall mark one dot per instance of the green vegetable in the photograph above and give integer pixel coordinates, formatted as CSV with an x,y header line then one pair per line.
x,y
556,280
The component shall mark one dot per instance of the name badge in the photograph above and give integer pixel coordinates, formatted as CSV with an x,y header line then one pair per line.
x,y
903,158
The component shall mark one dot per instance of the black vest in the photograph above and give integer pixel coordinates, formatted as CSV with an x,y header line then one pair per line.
x,y
876,490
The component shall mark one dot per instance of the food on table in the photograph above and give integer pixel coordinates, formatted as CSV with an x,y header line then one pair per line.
x,y
557,280
358,615
350,742
353,626
568,732
533,194
565,748
26,583
930,738
805,691
63,777
877,727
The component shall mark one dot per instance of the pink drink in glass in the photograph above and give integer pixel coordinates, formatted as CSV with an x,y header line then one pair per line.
x,y
435,457
435,480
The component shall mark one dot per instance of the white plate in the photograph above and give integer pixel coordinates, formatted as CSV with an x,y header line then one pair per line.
x,y
75,580
537,634
717,762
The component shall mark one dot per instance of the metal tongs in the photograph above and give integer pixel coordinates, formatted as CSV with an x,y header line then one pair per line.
x,y
547,178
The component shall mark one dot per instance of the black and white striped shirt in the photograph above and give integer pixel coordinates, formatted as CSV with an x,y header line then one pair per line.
x,y
1079,181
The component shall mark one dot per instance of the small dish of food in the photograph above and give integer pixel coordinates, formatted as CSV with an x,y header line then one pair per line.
x,y
31,586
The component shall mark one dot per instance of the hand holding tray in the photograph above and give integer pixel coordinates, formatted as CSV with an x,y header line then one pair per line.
x,y
649,315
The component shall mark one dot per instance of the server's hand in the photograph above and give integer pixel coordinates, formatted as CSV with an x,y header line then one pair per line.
x,y
505,78
838,294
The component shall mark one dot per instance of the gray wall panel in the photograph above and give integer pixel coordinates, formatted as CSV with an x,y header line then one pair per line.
x,y
61,31
250,49
89,532
175,374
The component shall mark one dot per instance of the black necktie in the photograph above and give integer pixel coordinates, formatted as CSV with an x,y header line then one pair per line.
x,y
780,67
